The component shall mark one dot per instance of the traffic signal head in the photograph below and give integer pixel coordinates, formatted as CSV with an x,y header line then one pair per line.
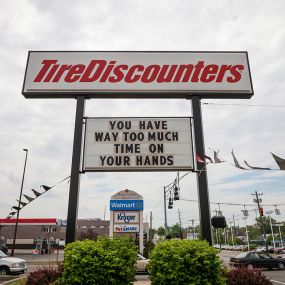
x,y
261,213
218,222
170,203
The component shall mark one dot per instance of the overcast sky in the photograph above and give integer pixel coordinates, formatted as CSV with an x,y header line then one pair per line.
x,y
46,127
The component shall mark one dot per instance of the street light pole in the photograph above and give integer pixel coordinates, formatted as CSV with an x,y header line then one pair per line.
x,y
248,247
165,214
273,239
280,236
19,204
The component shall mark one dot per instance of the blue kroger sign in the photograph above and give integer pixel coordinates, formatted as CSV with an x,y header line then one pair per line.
x,y
121,205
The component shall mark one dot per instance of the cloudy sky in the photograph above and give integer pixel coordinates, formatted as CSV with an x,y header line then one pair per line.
x,y
46,127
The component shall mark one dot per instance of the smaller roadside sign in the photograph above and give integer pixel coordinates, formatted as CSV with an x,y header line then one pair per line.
x,y
129,205
126,217
279,225
126,228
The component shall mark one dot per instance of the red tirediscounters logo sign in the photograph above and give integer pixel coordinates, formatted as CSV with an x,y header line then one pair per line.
x,y
112,75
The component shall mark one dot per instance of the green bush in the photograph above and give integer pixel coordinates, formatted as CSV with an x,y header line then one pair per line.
x,y
185,262
107,261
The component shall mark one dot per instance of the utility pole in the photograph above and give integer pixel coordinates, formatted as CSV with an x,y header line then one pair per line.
x,y
193,229
19,204
180,224
150,226
260,210
165,215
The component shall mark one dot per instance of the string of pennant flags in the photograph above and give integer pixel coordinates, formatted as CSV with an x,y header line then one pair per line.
x,y
29,199
216,159
199,157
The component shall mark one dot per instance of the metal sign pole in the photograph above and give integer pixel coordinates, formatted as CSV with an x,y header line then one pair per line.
x,y
75,175
204,204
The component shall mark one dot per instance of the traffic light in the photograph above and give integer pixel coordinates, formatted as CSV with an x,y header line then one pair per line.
x,y
176,193
218,222
170,203
261,213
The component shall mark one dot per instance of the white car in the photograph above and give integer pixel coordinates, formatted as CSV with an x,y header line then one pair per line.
x,y
141,264
11,265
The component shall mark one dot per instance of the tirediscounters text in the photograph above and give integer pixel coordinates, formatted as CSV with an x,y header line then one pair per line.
x,y
138,143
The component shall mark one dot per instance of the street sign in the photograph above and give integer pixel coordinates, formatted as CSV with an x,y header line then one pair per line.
x,y
127,205
126,228
138,144
65,74
126,217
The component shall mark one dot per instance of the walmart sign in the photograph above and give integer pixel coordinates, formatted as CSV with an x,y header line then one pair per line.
x,y
120,205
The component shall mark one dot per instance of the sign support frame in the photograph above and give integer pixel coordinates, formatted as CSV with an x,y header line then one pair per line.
x,y
75,172
202,181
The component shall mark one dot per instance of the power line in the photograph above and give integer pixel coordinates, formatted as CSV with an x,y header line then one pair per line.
x,y
232,204
245,105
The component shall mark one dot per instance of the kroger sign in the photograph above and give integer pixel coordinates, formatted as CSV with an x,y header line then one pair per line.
x,y
126,217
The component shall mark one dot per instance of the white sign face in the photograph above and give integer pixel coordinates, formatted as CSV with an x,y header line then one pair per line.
x,y
118,144
129,228
126,217
137,74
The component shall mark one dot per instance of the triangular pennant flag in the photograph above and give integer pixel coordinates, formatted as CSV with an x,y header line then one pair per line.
x,y
199,158
22,203
46,188
216,158
236,161
16,208
12,214
36,193
280,161
208,157
30,199
257,168
203,157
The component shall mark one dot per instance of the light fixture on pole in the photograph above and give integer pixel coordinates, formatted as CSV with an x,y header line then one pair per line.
x,y
270,220
19,204
280,235
231,222
246,233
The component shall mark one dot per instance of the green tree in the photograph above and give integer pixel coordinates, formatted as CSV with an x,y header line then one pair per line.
x,y
161,231
175,231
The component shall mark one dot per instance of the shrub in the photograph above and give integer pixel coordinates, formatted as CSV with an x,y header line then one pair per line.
x,y
148,247
107,261
185,262
244,276
45,275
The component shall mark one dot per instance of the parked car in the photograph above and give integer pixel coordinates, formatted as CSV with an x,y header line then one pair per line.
x,y
4,248
141,264
11,265
257,259
280,250
237,247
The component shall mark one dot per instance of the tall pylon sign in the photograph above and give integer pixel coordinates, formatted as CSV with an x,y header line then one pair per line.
x,y
138,144
126,215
